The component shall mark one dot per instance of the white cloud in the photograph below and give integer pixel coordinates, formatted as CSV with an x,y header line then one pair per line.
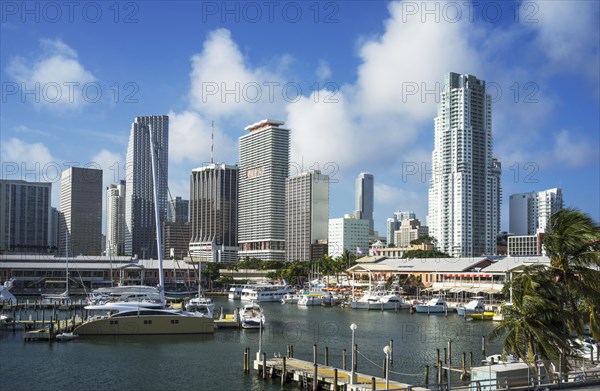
x,y
56,75
572,153
222,84
323,71
190,140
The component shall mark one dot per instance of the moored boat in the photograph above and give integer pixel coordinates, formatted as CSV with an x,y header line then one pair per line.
x,y
472,307
252,316
433,306
487,315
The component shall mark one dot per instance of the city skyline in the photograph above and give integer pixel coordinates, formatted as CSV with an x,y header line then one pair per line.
x,y
378,118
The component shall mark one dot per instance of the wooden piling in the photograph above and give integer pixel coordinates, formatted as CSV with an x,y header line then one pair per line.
x,y
391,352
344,359
283,372
426,375
470,359
437,357
373,383
326,355
289,352
264,366
335,379
314,353
355,357
464,363
245,364
383,367
483,346
315,377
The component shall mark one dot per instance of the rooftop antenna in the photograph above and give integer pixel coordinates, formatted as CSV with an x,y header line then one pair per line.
x,y
212,142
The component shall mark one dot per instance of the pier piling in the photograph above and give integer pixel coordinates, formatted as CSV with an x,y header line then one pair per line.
x,y
264,366
391,352
314,353
426,380
335,379
315,377
373,383
344,359
283,372
326,355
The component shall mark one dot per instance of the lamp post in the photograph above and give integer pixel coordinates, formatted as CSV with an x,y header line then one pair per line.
x,y
388,351
352,374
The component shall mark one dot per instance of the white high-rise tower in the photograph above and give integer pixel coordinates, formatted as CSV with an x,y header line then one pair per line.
x,y
365,199
115,219
464,191
140,232
529,213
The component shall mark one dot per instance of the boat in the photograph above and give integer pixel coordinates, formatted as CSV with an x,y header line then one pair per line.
x,y
291,298
201,304
435,305
252,316
487,315
5,296
235,292
472,307
6,321
310,300
131,295
265,292
66,336
140,317
379,300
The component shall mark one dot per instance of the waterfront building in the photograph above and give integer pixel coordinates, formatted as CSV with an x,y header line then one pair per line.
x,y
214,213
24,216
80,226
307,216
529,213
464,191
526,245
365,199
409,230
178,210
176,236
263,169
115,219
348,233
140,228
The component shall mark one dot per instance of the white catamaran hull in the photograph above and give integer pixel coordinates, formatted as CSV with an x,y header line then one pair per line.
x,y
152,324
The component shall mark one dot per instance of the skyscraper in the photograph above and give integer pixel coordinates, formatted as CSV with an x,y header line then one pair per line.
x,y
80,226
306,215
140,228
365,197
393,224
530,212
24,216
264,167
214,213
115,219
348,233
464,191
178,210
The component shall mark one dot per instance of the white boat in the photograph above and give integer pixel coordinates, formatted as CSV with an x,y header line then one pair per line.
x,y
310,299
290,298
129,295
235,292
201,304
475,306
5,295
6,321
435,305
380,300
138,317
252,316
66,336
265,292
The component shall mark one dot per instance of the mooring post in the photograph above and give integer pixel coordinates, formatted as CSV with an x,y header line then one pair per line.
x,y
391,352
437,357
373,383
314,353
426,375
355,357
470,359
344,359
289,352
335,379
315,377
264,366
483,345
283,372
248,361
326,356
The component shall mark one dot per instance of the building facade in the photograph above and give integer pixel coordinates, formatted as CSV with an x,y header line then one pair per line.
x,y
176,237
264,167
24,216
214,213
409,230
306,215
115,219
140,227
178,210
525,245
464,191
529,213
80,225
393,224
365,199
348,233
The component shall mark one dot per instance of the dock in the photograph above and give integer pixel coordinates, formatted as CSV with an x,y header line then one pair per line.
x,y
227,321
320,377
50,329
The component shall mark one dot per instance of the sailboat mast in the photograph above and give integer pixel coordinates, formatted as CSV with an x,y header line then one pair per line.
x,y
67,250
161,282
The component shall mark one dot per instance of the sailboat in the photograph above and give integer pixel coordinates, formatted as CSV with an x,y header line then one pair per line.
x,y
138,319
200,303
61,298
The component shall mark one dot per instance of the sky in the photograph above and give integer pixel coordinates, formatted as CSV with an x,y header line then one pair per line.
x,y
357,82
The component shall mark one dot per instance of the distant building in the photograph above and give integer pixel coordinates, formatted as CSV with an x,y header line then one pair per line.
x,y
348,233
24,216
178,210
176,237
140,227
527,245
530,213
393,224
365,199
80,227
53,230
264,167
409,230
214,213
115,219
307,216
464,191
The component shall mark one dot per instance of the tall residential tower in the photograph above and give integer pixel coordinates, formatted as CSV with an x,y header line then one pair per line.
x,y
464,191
529,213
140,231
365,198
115,219
264,167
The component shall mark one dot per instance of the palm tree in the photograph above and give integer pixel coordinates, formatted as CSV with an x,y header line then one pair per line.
x,y
573,246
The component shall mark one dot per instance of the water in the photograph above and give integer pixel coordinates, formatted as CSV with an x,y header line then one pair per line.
x,y
214,362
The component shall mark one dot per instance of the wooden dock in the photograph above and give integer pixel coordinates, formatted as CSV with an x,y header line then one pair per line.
x,y
50,328
327,377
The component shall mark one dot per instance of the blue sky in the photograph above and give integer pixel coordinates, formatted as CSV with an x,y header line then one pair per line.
x,y
357,82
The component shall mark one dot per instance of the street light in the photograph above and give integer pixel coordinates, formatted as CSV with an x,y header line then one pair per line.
x,y
388,351
352,374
